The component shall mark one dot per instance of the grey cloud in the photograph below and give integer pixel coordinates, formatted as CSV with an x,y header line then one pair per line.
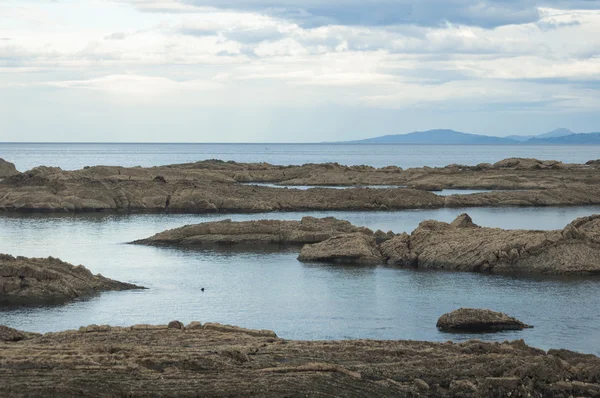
x,y
116,36
312,13
552,24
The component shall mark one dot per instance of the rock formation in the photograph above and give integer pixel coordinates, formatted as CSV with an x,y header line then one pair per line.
x,y
7,169
213,186
478,320
36,280
261,232
464,246
355,248
219,360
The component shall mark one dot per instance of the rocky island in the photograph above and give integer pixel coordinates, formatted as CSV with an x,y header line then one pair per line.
x,y
461,245
215,186
49,280
260,232
221,360
478,320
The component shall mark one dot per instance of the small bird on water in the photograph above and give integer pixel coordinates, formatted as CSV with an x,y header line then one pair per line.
x,y
202,289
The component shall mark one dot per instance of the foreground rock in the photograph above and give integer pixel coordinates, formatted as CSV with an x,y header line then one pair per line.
x,y
464,246
214,186
7,169
44,280
219,360
478,320
261,232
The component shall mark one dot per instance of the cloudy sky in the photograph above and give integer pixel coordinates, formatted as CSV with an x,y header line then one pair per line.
x,y
294,70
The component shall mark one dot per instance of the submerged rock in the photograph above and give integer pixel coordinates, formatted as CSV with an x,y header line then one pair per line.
x,y
478,320
40,280
261,232
227,361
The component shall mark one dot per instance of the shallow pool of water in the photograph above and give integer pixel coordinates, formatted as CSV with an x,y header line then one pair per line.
x,y
266,289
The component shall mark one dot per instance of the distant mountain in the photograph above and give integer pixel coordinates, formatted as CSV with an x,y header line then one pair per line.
x,y
442,137
551,134
572,139
556,133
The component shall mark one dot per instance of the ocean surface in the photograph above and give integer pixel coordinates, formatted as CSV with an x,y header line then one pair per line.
x,y
76,156
271,289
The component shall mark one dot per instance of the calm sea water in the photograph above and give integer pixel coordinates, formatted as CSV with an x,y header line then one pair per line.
x,y
270,289
76,156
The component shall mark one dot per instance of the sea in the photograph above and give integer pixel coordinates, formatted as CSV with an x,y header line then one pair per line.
x,y
270,288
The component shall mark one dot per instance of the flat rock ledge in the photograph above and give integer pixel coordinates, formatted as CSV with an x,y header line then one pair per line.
x,y
478,320
221,360
261,232
215,186
464,246
46,280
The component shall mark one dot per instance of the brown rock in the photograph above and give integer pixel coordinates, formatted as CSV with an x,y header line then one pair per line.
x,y
261,232
478,320
355,248
7,169
463,246
9,334
396,251
230,361
36,280
176,325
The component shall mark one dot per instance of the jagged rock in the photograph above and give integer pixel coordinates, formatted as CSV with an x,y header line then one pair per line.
x,y
463,221
461,246
355,248
261,232
231,361
396,251
525,163
478,320
7,169
36,280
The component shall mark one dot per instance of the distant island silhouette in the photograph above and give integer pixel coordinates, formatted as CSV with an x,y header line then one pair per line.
x,y
560,136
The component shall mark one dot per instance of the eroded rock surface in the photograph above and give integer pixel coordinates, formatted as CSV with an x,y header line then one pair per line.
x,y
214,186
261,232
464,246
7,169
355,248
478,320
146,361
43,280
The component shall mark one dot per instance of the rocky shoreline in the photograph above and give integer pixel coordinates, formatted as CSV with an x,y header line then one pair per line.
x,y
461,245
215,187
49,280
221,360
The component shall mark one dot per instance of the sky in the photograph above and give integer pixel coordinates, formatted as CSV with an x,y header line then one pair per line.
x,y
294,70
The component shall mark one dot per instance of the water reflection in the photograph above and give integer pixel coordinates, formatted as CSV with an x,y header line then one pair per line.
x,y
271,289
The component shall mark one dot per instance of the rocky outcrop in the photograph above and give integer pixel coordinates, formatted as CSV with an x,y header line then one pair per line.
x,y
45,280
10,334
156,361
464,246
478,320
356,248
213,186
261,232
7,169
